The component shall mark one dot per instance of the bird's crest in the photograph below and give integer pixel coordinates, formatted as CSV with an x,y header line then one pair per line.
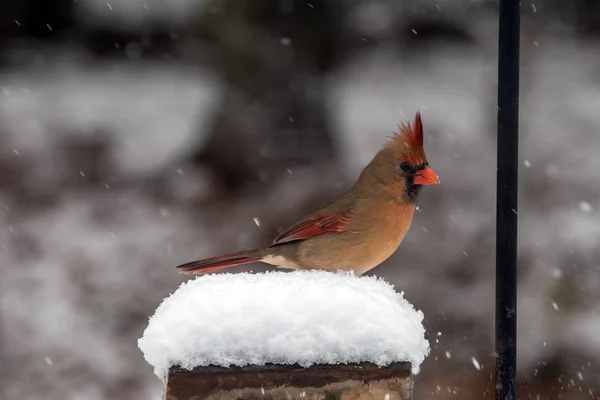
x,y
408,143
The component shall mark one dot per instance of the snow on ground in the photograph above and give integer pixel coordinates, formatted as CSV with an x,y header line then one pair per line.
x,y
148,115
304,317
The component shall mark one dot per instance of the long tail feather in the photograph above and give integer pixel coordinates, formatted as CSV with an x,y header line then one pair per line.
x,y
212,264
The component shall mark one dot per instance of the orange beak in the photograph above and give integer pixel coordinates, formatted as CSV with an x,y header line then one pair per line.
x,y
426,177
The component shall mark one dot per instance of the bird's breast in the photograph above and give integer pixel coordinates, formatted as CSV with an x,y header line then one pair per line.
x,y
371,238
385,235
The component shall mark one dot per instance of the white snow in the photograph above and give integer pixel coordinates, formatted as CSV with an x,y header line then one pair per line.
x,y
304,317
148,116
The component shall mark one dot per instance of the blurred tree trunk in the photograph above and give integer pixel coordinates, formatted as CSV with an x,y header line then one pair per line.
x,y
272,115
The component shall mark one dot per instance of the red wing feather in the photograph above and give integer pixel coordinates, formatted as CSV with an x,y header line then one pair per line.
x,y
318,224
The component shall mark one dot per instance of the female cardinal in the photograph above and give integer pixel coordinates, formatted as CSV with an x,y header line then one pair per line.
x,y
358,230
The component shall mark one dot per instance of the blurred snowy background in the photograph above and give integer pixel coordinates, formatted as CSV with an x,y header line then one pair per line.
x,y
139,134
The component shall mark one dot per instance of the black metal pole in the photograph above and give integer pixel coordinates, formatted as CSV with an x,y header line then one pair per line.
x,y
506,199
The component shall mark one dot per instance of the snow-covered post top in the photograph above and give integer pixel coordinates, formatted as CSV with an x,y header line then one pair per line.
x,y
335,326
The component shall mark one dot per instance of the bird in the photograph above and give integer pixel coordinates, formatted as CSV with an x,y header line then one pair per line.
x,y
361,228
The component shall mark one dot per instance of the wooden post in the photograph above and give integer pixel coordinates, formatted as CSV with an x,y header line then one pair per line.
x,y
290,382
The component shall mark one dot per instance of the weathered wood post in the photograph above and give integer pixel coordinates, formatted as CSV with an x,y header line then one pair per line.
x,y
283,336
285,382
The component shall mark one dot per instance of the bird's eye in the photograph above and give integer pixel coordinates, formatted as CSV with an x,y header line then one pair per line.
x,y
404,166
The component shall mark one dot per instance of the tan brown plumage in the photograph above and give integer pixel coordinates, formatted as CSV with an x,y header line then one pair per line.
x,y
358,230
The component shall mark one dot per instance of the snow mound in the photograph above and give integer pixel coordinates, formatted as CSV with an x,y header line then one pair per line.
x,y
304,317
